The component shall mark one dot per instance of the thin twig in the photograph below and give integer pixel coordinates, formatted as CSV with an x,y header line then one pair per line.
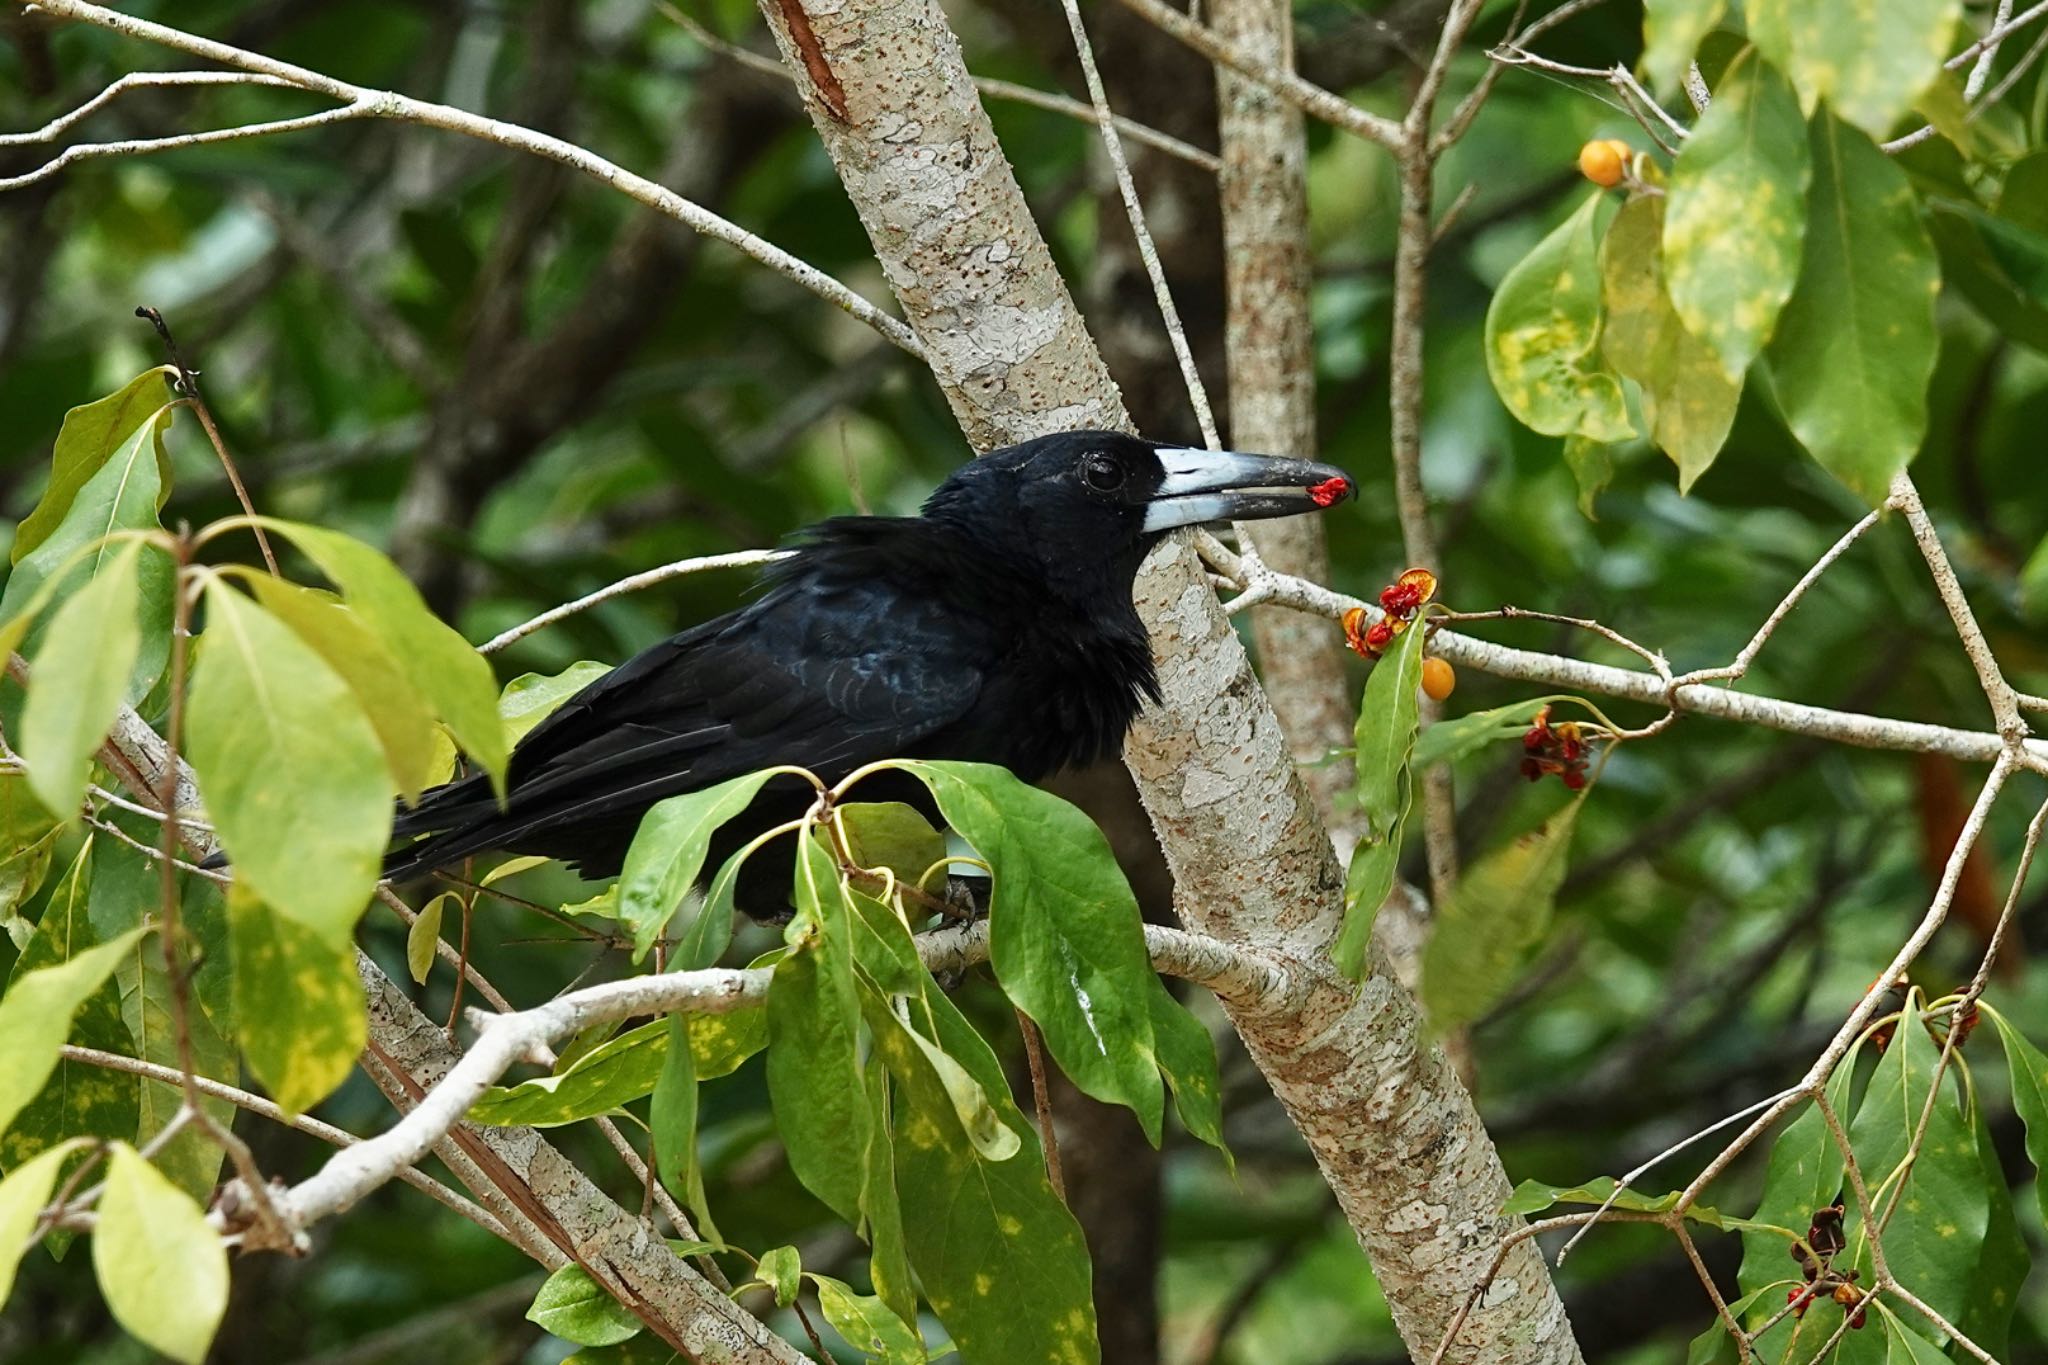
x,y
1041,1100
738,560
188,381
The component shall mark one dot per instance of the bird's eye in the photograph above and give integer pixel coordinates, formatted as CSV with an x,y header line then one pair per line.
x,y
1102,473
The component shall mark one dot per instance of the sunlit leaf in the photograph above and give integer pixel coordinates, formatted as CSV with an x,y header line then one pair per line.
x,y
1856,346
163,1270
423,936
61,973
667,854
1689,401
298,1001
1592,465
404,725
1543,337
122,494
79,677
28,836
868,1325
1496,913
1388,717
720,1042
1869,67
531,697
293,776
452,676
782,1271
23,1194
599,1081
92,434
577,1308
1735,224
911,1056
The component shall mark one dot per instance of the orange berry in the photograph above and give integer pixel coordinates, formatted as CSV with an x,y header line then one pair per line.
x,y
1604,162
1438,678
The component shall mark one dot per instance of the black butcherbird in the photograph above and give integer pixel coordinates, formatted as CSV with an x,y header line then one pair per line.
x,y
996,627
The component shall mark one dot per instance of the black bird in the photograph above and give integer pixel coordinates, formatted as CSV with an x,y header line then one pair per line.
x,y
996,627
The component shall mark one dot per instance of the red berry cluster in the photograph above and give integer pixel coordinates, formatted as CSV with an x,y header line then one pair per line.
x,y
1559,749
1825,1239
1400,600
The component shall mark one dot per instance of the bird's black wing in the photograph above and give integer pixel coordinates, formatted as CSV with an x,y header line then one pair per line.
x,y
826,672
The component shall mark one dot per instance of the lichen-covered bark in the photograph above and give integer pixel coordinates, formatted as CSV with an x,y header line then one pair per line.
x,y
948,221
1391,1127
1270,349
550,1197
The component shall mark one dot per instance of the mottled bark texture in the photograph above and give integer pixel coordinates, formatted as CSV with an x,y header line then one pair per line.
x,y
545,1199
1263,189
1391,1127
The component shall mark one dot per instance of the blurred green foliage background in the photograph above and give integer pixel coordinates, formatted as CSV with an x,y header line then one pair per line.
x,y
527,388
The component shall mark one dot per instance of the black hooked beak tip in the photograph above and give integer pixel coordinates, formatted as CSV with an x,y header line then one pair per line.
x,y
1222,485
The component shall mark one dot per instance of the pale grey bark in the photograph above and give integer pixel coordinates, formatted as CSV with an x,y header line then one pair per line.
x,y
1393,1130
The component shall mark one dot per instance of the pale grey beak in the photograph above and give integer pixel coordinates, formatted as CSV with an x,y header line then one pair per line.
x,y
1223,485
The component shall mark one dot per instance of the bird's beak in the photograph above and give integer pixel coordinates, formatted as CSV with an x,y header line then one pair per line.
x,y
1222,485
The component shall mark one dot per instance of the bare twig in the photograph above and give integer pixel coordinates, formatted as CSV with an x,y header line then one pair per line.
x,y
646,579
361,102
1041,1102
188,381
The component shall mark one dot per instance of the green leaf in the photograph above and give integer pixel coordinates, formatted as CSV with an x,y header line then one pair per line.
x,y
293,775
404,725
911,1056
1543,337
1856,346
1187,1058
2003,1261
2007,283
1001,1259
123,494
598,1082
28,837
577,1308
1904,1346
2028,1068
1065,937
1389,715
452,676
298,1001
1804,1175
672,1116
77,1099
1715,1346
1736,217
891,835
164,1272
1936,1232
91,435
814,1044
1870,66
424,935
667,853
720,1042
781,1269
1450,740
1498,910
882,1208
1533,1196
125,893
641,1350
23,1194
1689,401
59,972
1672,30
1592,465
868,1325
531,697
78,679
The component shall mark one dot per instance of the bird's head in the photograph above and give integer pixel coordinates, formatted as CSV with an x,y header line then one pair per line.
x,y
1085,505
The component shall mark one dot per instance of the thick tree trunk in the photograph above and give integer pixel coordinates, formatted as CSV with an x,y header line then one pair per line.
x,y
1393,1130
